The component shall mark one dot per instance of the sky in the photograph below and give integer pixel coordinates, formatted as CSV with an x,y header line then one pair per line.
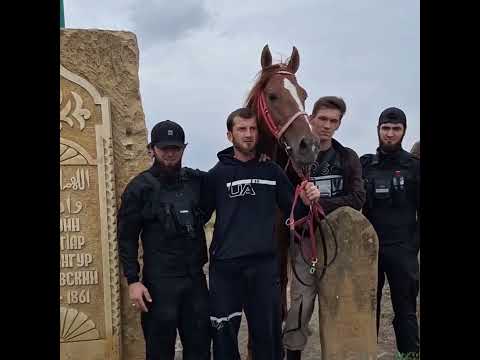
x,y
199,59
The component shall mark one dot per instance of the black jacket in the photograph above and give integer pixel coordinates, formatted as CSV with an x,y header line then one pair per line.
x,y
392,202
245,196
167,251
338,174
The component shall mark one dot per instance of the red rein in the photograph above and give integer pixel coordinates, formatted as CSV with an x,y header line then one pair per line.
x,y
313,218
316,212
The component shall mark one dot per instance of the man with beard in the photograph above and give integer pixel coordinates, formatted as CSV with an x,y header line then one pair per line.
x,y
392,180
244,268
338,175
162,206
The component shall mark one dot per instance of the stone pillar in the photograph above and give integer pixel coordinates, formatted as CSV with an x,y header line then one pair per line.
x,y
103,145
348,291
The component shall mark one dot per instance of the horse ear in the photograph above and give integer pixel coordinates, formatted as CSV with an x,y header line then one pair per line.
x,y
266,58
294,61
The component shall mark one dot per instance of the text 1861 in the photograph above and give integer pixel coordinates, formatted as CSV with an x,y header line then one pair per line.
x,y
78,297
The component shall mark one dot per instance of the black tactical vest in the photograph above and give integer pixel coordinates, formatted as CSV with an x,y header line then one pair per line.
x,y
173,236
392,196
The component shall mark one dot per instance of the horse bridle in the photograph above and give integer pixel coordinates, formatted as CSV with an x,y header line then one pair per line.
x,y
316,210
274,130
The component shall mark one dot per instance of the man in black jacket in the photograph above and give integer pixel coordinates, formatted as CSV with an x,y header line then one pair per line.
x,y
338,175
244,269
162,206
392,179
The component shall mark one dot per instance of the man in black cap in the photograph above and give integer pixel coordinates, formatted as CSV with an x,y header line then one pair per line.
x,y
162,206
392,180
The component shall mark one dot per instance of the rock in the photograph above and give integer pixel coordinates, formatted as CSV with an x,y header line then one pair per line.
x,y
347,295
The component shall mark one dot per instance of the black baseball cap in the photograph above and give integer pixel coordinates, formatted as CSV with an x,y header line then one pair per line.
x,y
167,133
392,115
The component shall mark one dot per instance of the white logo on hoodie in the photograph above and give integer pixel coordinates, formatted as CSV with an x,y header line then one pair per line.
x,y
244,187
240,190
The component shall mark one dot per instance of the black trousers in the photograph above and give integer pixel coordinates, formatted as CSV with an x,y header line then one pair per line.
x,y
177,303
251,285
399,263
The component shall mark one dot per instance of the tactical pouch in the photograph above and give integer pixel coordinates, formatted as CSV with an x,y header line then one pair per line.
x,y
399,197
184,218
382,188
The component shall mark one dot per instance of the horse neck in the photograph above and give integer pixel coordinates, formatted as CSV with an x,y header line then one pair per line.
x,y
281,159
269,146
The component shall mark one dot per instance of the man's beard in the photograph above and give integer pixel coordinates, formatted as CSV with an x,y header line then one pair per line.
x,y
390,148
237,145
169,170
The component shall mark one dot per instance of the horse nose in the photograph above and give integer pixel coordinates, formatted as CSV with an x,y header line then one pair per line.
x,y
308,144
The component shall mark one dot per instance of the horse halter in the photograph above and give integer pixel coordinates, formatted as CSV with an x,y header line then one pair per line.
x,y
274,130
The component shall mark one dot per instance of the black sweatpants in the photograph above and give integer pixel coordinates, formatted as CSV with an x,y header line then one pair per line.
x,y
177,303
251,285
399,263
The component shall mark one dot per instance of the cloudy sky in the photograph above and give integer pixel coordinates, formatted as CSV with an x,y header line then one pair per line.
x,y
199,58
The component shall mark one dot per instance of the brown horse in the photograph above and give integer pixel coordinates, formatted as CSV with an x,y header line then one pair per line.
x,y
285,133
346,322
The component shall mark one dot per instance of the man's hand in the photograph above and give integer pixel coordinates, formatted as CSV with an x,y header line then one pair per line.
x,y
137,291
309,193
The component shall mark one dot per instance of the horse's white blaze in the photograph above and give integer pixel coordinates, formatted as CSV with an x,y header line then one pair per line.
x,y
287,84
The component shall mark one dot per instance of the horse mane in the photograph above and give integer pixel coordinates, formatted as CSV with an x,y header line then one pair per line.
x,y
262,78
267,143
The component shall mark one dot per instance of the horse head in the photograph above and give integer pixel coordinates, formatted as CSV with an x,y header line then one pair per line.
x,y
278,101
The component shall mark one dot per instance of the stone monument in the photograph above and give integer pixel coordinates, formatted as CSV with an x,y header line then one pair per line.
x,y
103,142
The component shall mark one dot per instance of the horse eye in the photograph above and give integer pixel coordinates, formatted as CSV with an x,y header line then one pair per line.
x,y
304,93
272,97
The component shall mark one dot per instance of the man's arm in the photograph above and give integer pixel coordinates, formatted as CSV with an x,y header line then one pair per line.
x,y
129,225
354,188
207,195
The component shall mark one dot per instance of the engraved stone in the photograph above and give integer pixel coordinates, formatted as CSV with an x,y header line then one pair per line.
x,y
87,233
101,90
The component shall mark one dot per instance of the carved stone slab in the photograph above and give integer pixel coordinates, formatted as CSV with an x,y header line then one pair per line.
x,y
89,274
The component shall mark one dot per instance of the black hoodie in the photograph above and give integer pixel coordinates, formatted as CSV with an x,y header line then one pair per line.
x,y
245,196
